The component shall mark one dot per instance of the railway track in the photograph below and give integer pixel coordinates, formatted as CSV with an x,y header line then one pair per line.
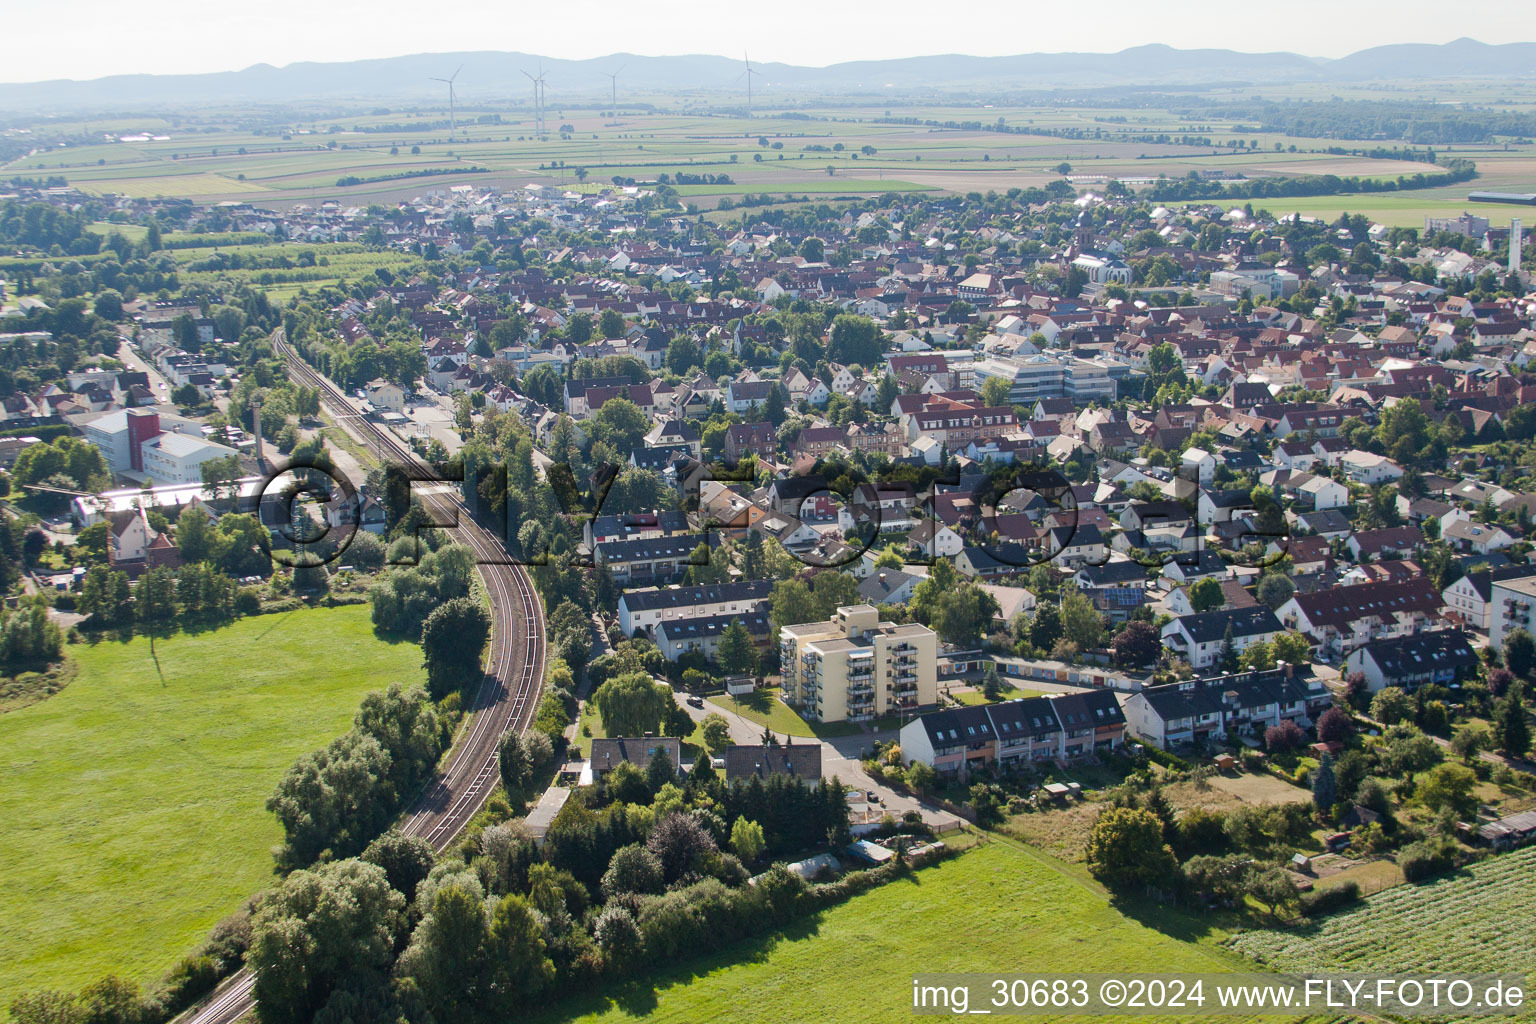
x,y
506,698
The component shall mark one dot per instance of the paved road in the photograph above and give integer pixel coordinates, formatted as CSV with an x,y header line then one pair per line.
x,y
131,358
507,698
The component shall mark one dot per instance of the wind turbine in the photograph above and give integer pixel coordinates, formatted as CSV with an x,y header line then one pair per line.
x,y
538,100
449,80
747,74
613,80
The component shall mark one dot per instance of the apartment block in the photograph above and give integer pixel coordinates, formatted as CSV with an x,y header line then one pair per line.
x,y
1512,606
853,667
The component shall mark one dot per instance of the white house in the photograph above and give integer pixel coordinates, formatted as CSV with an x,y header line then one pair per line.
x,y
1198,465
1199,638
1468,599
935,539
1369,469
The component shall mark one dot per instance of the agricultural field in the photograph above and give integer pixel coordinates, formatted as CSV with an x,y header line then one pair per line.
x,y
1480,920
853,962
134,799
778,152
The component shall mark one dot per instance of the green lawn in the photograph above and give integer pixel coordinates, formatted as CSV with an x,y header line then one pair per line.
x,y
994,909
133,800
765,708
1008,693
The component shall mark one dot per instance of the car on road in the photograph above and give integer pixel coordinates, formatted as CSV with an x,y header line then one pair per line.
x,y
874,797
696,701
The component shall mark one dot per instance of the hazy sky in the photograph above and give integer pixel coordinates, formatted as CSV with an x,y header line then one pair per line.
x,y
91,38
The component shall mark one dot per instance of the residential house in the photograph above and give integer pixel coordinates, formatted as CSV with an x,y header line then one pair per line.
x,y
1340,619
1199,638
1197,711
1440,656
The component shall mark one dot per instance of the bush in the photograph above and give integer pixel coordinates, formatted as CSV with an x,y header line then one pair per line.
x,y
1427,858
1166,759
190,980
1326,901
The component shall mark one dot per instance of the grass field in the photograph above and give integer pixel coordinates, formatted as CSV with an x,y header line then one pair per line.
x,y
1481,920
996,908
133,800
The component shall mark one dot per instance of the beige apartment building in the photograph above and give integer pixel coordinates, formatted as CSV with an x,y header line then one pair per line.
x,y
854,667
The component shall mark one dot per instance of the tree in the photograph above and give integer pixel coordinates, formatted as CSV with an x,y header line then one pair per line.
x,y
578,329
1273,888
736,653
632,704
680,843
1519,652
1285,736
1045,630
1448,787
747,840
1274,590
1081,622
683,354
221,476
515,765
1513,731
1137,644
962,615
717,732
317,928
452,639
1216,878
1292,648
994,391
1391,705
791,603
632,869
611,323
921,777
1325,791
448,960
619,938
515,950
406,860
1205,594
1126,848
660,771
1471,739
854,339
619,424
1226,657
1334,726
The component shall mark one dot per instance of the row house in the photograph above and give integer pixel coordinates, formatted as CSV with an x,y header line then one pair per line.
x,y
1058,727
1242,703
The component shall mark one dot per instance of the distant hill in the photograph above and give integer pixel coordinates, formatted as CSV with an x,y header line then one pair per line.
x,y
497,77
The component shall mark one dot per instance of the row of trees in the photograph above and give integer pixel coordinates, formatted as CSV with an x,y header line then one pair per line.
x,y
335,800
